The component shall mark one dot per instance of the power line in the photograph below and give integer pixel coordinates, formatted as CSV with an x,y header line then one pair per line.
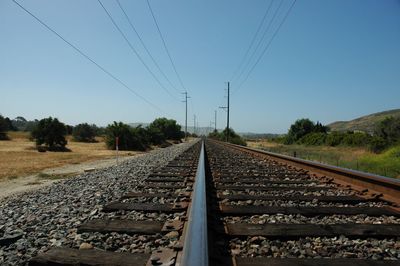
x,y
87,57
260,41
268,45
145,47
165,46
134,50
253,39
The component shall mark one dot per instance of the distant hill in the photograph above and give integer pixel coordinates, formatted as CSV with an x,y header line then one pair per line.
x,y
365,123
250,135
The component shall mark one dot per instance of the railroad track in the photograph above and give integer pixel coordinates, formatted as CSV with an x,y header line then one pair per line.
x,y
226,205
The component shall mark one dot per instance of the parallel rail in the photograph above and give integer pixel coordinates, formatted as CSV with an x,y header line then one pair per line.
x,y
263,197
378,186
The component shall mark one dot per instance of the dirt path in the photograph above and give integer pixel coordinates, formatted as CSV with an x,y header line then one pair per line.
x,y
51,175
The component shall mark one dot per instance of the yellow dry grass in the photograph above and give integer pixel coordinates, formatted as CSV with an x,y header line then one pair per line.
x,y
18,156
345,153
261,143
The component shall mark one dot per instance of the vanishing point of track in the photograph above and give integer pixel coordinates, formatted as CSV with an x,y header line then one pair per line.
x,y
229,205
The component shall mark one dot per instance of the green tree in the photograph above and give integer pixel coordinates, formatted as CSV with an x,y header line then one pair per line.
x,y
168,127
128,138
377,144
389,129
155,135
50,132
233,137
3,128
299,129
319,128
313,139
19,122
357,139
334,138
69,129
214,135
84,133
10,125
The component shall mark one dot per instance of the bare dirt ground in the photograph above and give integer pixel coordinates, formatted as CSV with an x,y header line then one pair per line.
x,y
18,156
31,182
23,168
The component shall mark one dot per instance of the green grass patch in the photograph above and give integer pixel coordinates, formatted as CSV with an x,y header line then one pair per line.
x,y
386,163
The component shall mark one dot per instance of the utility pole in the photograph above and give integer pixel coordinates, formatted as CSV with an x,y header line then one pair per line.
x,y
215,120
227,119
185,101
194,124
226,108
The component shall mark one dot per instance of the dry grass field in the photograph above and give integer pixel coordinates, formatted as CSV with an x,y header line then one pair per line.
x,y
18,156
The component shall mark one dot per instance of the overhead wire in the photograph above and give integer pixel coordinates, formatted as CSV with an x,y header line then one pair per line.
x,y
145,47
253,40
260,41
267,46
87,57
134,50
165,46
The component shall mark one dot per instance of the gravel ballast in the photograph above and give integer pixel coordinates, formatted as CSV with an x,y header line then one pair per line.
x,y
49,216
317,247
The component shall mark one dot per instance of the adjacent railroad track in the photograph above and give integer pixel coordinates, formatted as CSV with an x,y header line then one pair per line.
x,y
220,204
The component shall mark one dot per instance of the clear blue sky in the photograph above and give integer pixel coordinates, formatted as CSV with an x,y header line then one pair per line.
x,y
331,60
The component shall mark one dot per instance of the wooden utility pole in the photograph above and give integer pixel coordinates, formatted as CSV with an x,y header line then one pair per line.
x,y
185,101
215,120
227,119
226,108
194,124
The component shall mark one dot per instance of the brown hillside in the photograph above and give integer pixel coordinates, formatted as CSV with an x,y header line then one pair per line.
x,y
365,123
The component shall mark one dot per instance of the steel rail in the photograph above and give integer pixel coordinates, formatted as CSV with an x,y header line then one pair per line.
x,y
376,184
195,250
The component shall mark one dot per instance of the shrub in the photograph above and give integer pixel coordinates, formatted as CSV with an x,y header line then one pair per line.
x,y
3,128
168,127
50,132
69,129
155,135
84,133
142,136
314,139
238,141
129,138
302,127
233,137
356,139
377,144
389,129
334,138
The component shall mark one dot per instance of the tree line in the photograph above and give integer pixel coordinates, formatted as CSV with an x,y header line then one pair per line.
x,y
233,137
304,131
50,134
